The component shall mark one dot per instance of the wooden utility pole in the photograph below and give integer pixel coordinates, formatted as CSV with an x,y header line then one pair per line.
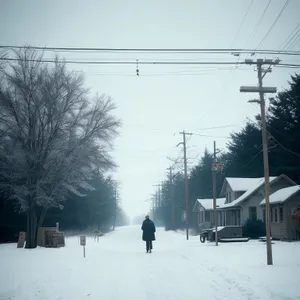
x,y
172,199
266,165
214,181
186,183
115,208
153,207
156,201
159,196
262,90
156,204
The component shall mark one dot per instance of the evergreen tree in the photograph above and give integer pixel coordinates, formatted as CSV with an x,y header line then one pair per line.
x,y
284,129
244,157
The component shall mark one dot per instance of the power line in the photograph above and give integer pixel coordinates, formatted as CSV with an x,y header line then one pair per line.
x,y
166,130
241,25
288,66
219,127
154,50
281,145
253,158
296,40
259,21
211,136
291,36
140,62
175,73
274,23
128,62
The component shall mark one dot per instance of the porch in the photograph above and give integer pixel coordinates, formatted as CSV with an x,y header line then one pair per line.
x,y
230,217
205,218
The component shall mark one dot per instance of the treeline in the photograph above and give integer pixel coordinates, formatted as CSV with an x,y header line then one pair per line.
x,y
55,145
99,209
243,158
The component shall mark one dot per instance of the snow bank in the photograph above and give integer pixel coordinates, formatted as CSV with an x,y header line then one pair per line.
x,y
117,267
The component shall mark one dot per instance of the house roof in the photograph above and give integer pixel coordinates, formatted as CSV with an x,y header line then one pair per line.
x,y
239,184
282,195
207,204
259,182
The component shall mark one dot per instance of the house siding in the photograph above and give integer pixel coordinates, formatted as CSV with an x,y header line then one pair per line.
x,y
287,228
229,193
290,223
279,229
258,196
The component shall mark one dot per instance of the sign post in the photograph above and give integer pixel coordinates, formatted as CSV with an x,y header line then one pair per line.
x,y
83,243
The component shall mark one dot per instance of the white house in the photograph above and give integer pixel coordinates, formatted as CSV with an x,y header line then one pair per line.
x,y
240,200
204,210
243,198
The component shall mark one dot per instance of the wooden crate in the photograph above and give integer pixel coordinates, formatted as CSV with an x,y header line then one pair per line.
x,y
42,236
58,240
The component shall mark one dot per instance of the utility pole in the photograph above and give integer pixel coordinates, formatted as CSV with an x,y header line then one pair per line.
x,y
156,200
186,183
216,167
153,208
156,204
214,179
115,208
153,198
172,199
159,196
262,90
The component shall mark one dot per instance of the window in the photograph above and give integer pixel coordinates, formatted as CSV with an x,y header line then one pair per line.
x,y
234,216
271,215
252,213
228,197
276,215
207,216
280,214
238,218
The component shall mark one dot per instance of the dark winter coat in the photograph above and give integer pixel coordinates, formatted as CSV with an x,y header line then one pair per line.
x,y
148,228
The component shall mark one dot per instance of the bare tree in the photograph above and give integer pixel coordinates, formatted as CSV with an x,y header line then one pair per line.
x,y
53,136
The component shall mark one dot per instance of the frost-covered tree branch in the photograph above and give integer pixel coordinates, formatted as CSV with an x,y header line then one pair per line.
x,y
52,134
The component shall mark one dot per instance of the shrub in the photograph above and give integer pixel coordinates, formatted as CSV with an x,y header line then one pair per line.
x,y
254,229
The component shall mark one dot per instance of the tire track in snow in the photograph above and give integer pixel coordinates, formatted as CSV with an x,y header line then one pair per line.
x,y
228,287
235,281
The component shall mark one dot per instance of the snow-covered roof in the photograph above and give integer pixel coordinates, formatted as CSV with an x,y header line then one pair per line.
x,y
255,185
241,184
208,204
282,195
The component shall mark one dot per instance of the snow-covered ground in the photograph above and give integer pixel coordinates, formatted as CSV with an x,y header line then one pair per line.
x,y
118,268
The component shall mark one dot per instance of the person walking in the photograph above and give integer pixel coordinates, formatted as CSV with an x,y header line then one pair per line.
x,y
149,230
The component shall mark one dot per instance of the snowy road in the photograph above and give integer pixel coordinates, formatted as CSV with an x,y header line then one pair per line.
x,y
118,268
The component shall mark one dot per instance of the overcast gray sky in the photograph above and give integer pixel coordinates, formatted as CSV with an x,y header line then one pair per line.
x,y
163,100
